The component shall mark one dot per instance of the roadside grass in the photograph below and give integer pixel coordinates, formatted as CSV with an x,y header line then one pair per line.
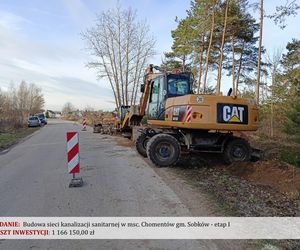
x,y
7,139
291,155
286,149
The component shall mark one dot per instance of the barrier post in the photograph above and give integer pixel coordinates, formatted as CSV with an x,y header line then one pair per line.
x,y
73,158
84,124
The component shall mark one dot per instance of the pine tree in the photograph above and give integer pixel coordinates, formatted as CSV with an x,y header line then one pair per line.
x,y
291,79
216,35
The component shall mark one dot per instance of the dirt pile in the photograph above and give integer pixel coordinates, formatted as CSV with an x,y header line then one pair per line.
x,y
95,117
235,191
281,176
121,141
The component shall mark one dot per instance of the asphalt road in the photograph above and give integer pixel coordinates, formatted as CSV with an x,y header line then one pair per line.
x,y
117,182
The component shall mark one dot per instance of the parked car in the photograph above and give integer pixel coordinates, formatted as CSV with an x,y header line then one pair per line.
x,y
97,128
34,121
42,117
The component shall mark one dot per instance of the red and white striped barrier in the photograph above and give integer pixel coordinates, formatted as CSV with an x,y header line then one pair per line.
x,y
84,124
73,152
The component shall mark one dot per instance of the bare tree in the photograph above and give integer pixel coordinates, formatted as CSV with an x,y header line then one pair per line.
x,y
121,47
274,65
67,108
35,98
29,100
2,100
69,112
18,103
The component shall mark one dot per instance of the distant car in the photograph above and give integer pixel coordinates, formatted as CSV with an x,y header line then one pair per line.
x,y
42,117
97,128
34,121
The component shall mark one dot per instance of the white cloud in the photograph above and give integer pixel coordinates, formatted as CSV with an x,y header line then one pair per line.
x,y
79,12
53,57
58,69
11,21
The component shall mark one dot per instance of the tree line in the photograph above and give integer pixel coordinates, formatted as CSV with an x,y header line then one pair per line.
x,y
223,37
218,37
18,103
281,102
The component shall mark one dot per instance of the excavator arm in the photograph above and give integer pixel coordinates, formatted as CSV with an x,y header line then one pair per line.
x,y
134,114
146,90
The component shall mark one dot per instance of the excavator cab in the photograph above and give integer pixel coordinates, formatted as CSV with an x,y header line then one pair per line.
x,y
166,86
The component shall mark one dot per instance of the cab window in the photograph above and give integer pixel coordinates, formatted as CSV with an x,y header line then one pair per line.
x,y
178,86
155,88
152,108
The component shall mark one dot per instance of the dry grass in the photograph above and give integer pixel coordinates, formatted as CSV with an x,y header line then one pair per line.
x,y
10,138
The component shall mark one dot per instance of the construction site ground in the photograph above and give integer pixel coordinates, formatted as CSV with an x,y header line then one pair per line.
x,y
263,188
119,182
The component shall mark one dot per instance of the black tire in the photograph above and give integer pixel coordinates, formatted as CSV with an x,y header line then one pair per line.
x,y
237,150
141,144
163,150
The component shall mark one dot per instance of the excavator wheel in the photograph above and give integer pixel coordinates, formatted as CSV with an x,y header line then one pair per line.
x,y
141,144
237,150
163,150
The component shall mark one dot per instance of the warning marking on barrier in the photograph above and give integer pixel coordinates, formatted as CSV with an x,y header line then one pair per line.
x,y
73,152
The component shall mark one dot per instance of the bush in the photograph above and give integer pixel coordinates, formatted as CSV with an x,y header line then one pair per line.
x,y
292,125
144,120
291,155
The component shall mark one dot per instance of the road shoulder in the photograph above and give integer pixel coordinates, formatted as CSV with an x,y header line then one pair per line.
x,y
11,139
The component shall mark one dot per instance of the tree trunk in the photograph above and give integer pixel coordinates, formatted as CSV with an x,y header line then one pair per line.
x,y
126,73
112,59
221,51
233,66
209,47
200,65
272,104
123,85
135,81
107,71
272,120
141,65
111,84
139,77
129,40
259,50
240,68
115,75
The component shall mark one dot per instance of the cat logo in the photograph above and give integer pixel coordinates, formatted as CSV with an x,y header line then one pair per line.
x,y
234,114
230,113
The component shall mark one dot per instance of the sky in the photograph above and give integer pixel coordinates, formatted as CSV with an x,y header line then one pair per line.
x,y
40,43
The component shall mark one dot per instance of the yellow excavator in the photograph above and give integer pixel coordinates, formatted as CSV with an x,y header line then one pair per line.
x,y
180,120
